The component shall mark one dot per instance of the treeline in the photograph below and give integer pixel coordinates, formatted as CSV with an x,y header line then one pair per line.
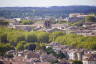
x,y
78,41
26,22
19,38
15,12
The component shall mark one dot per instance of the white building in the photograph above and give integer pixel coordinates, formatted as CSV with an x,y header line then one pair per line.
x,y
75,55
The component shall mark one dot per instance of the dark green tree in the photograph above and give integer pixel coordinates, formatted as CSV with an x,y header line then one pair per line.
x,y
30,46
4,48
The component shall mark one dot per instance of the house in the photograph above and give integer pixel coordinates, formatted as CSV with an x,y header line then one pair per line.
x,y
59,26
42,63
32,60
75,19
17,19
4,22
47,58
84,32
74,54
28,27
79,15
88,29
12,52
74,14
24,27
5,62
31,54
89,58
54,44
63,61
53,30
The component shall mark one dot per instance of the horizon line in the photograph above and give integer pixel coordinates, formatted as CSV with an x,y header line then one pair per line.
x,y
48,6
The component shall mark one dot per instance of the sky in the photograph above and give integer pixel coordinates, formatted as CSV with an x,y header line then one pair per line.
x,y
45,3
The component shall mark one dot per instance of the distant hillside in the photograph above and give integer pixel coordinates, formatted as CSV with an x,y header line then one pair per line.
x,y
11,12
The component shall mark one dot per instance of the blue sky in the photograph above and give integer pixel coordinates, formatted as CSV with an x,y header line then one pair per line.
x,y
45,3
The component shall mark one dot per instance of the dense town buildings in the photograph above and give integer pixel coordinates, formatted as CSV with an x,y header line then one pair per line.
x,y
41,57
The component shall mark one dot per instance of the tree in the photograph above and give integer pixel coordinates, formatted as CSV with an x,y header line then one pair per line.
x,y
31,37
15,37
54,35
20,45
4,48
21,37
47,24
40,45
30,46
43,37
3,38
25,22
61,55
4,22
90,19
61,39
49,50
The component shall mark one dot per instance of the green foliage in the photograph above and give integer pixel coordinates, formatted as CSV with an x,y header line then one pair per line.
x,y
30,46
61,55
3,37
49,50
62,22
25,22
4,48
14,37
54,35
43,37
31,37
61,39
77,23
90,19
77,41
26,45
20,45
40,45
4,22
